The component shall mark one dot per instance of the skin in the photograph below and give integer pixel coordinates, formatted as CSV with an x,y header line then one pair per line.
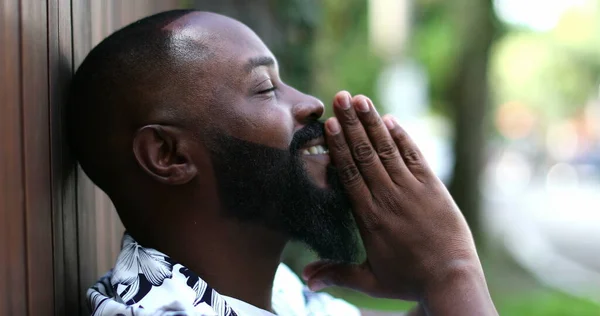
x,y
419,246
242,74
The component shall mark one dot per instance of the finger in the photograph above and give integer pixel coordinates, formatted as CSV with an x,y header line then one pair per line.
x,y
410,153
365,158
358,192
356,277
342,159
312,268
381,139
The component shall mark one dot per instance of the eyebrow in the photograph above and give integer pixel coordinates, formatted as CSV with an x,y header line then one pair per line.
x,y
258,62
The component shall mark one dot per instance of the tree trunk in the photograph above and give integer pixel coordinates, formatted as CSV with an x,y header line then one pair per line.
x,y
468,98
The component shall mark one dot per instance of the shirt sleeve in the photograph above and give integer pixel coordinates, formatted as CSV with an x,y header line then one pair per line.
x,y
292,297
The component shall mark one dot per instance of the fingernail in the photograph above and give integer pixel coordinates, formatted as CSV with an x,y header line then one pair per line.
x,y
345,102
389,123
333,126
362,106
316,285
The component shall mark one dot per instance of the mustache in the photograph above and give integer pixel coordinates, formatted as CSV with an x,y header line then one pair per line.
x,y
312,130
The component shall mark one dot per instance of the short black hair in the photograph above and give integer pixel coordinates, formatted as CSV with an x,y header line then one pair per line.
x,y
116,78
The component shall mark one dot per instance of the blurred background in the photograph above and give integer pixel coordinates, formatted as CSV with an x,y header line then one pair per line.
x,y
502,96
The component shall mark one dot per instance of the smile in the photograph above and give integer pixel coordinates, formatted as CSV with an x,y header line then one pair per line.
x,y
315,150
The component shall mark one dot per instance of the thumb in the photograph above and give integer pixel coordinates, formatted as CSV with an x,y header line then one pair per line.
x,y
356,277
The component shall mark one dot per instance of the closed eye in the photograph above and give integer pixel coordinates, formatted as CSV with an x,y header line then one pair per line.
x,y
267,90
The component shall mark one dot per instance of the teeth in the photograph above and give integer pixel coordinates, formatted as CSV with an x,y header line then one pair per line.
x,y
315,150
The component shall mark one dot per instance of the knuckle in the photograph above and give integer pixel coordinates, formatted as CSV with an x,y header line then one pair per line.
x,y
372,222
400,135
363,152
412,157
389,200
387,151
349,174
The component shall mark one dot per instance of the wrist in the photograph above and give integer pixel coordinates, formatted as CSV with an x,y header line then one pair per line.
x,y
460,289
457,271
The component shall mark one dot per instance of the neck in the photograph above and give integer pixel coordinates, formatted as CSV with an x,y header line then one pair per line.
x,y
236,259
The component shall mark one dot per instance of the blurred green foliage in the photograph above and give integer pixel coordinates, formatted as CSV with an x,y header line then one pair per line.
x,y
543,303
342,59
548,303
323,47
435,44
553,72
302,18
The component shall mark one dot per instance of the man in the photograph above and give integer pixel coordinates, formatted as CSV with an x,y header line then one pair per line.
x,y
214,164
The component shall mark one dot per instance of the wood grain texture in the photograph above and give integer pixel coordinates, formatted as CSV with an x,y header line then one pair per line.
x,y
36,156
64,185
99,227
13,286
58,231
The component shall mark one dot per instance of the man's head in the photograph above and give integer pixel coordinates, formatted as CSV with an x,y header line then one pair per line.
x,y
183,103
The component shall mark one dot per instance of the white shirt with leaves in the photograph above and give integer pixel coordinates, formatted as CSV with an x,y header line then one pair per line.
x,y
147,282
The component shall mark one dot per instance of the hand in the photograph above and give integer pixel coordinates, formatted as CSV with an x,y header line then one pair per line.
x,y
415,237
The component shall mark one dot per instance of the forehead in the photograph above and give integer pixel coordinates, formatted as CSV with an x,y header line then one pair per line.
x,y
229,42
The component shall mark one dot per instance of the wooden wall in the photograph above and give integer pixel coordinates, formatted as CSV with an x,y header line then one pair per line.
x,y
58,232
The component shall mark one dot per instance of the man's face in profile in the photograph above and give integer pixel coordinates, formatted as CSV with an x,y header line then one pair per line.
x,y
267,146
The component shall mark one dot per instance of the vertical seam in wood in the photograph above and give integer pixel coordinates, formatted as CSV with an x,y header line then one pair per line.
x,y
50,160
76,171
23,165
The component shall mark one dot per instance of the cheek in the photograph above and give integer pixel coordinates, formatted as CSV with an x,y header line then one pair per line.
x,y
272,127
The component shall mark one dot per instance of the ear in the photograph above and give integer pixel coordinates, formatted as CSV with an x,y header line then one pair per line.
x,y
165,154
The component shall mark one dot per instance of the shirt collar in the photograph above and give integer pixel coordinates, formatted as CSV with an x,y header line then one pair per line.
x,y
146,282
145,279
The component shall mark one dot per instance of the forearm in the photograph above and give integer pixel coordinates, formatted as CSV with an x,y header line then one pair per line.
x,y
462,291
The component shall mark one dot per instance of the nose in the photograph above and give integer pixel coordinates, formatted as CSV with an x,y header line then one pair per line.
x,y
307,108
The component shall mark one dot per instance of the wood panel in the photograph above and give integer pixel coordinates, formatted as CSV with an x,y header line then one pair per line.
x,y
36,156
99,227
58,232
64,185
12,196
86,230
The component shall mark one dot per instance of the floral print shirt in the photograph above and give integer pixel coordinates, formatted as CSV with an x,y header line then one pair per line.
x,y
147,282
